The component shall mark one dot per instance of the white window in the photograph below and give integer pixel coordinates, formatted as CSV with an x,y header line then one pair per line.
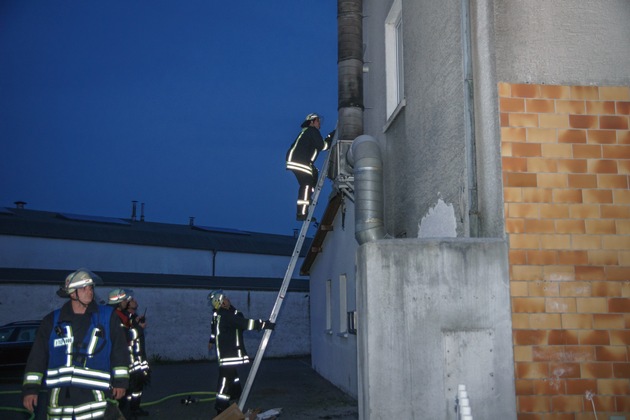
x,y
394,59
329,306
343,304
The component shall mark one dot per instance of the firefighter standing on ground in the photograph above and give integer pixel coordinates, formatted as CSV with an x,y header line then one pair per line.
x,y
140,372
301,157
130,405
227,334
80,353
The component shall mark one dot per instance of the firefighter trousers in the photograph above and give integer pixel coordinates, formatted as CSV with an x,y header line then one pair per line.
x,y
228,387
307,184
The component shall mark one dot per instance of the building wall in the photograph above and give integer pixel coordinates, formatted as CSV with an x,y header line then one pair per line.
x,y
258,265
430,127
178,317
178,320
333,349
563,67
566,167
34,252
524,43
434,314
414,332
563,42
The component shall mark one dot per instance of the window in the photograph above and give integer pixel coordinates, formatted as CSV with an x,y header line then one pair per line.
x,y
329,306
343,305
394,59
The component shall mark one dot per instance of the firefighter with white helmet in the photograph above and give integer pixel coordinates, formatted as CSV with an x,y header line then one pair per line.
x,y
130,405
80,354
227,336
300,160
139,371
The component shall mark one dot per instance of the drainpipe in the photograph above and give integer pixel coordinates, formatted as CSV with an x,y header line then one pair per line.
x,y
365,154
471,218
214,262
350,68
365,157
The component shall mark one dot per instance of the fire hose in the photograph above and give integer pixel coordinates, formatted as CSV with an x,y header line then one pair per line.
x,y
187,398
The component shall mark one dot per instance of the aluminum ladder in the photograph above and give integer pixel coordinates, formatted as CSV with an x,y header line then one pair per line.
x,y
287,279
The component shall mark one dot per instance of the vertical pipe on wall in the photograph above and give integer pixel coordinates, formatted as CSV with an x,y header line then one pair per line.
x,y
365,157
350,68
471,215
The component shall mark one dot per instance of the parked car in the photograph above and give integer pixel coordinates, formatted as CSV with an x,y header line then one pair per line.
x,y
16,341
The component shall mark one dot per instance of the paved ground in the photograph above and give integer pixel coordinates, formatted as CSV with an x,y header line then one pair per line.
x,y
289,384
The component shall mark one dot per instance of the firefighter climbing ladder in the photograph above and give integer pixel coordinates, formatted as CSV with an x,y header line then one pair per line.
x,y
285,282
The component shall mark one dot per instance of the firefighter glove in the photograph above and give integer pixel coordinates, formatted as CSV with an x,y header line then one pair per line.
x,y
329,137
268,325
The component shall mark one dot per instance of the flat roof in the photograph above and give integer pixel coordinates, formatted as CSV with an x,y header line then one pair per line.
x,y
46,224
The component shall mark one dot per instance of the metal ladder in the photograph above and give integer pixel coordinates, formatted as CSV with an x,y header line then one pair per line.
x,y
287,278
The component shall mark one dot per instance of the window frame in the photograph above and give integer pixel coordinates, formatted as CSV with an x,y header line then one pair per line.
x,y
329,316
394,62
343,306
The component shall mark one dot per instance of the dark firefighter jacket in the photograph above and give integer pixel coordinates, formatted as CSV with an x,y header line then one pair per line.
x,y
139,362
227,335
304,150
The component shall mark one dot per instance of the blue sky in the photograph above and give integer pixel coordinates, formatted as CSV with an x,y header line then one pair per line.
x,y
186,106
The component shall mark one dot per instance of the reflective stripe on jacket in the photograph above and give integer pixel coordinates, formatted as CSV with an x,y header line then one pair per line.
x,y
86,364
227,333
304,150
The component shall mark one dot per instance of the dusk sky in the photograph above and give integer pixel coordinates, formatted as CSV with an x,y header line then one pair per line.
x,y
186,106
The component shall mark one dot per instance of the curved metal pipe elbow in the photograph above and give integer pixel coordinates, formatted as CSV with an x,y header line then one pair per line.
x,y
365,157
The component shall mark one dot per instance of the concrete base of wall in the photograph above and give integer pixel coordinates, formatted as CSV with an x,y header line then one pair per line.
x,y
434,314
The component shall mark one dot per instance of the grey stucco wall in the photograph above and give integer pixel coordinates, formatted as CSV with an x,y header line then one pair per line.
x,y
178,320
560,42
432,315
429,131
567,42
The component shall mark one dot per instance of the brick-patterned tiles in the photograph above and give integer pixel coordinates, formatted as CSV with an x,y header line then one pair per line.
x,y
566,168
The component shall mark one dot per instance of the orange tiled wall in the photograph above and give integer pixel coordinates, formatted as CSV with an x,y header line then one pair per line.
x,y
566,177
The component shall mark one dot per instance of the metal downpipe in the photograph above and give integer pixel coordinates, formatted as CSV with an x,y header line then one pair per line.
x,y
365,157
350,68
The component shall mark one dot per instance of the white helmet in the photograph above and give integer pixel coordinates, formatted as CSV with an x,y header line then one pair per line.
x,y
78,280
311,117
117,296
215,298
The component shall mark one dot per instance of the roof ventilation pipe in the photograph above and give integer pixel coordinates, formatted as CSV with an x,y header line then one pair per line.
x,y
365,157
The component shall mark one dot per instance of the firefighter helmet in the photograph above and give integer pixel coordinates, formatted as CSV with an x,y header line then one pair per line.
x,y
117,296
78,280
311,117
215,298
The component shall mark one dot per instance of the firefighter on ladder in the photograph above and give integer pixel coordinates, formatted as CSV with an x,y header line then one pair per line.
x,y
301,157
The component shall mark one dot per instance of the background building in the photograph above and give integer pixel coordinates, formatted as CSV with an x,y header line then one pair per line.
x,y
170,268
